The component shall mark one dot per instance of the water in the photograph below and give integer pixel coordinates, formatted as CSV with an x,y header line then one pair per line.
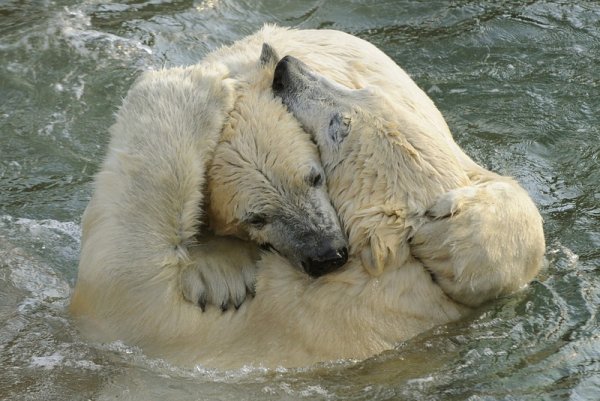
x,y
518,84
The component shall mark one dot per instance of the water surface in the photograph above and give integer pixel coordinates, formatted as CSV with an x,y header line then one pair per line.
x,y
518,83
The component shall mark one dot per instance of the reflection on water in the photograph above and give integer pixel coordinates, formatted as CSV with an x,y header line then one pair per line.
x,y
518,85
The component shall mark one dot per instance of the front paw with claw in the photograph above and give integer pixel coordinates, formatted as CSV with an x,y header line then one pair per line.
x,y
222,273
482,241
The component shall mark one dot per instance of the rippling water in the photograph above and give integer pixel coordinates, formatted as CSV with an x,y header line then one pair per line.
x,y
518,84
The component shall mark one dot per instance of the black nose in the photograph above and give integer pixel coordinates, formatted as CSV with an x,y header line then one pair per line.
x,y
326,262
280,75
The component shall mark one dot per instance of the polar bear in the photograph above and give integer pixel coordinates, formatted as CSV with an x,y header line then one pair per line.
x,y
179,134
254,193
172,126
144,251
478,233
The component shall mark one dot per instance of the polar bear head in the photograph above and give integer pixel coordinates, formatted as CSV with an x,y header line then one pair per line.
x,y
355,133
327,110
266,182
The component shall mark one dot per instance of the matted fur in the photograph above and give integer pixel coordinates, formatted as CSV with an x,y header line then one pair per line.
x,y
134,252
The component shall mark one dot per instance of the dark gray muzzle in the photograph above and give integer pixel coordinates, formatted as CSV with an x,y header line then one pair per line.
x,y
325,260
291,76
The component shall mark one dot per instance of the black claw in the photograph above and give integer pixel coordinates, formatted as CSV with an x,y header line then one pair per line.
x,y
238,305
202,303
224,307
251,289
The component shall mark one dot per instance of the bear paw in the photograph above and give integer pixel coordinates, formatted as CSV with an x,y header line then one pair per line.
x,y
222,274
210,285
481,242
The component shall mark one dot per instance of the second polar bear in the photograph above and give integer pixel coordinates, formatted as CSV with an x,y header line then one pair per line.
x,y
136,270
478,233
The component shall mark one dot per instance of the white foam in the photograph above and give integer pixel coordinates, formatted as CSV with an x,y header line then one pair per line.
x,y
27,271
39,227
84,364
434,89
75,26
310,391
15,164
79,88
38,279
559,250
46,362
57,118
57,359
420,381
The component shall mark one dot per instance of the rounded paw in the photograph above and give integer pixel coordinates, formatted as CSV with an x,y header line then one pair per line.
x,y
222,273
217,286
481,242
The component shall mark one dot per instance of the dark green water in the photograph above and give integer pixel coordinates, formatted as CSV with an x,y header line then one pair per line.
x,y
518,82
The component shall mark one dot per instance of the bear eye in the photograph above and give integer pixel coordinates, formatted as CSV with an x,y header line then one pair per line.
x,y
257,220
315,179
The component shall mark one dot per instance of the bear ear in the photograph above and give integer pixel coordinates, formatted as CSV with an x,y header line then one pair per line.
x,y
268,56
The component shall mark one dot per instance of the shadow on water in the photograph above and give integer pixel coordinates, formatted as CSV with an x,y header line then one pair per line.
x,y
517,83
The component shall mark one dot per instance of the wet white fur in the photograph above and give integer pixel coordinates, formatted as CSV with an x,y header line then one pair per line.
x,y
139,229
